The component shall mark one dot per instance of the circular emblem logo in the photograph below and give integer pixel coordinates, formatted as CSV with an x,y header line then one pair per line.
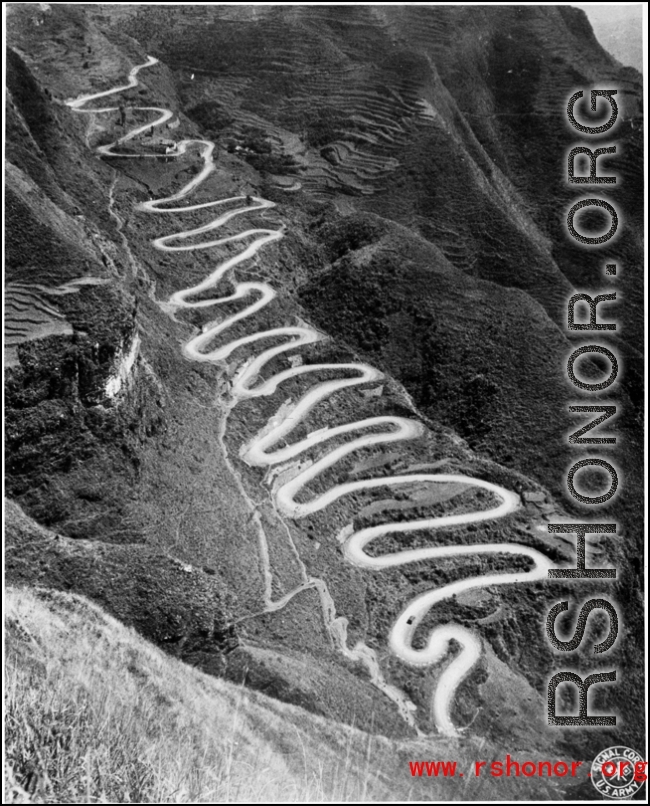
x,y
618,772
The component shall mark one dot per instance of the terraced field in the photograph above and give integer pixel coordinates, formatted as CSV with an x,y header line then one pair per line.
x,y
29,316
360,117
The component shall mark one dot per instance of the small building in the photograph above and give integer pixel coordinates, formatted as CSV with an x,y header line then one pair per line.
x,y
162,148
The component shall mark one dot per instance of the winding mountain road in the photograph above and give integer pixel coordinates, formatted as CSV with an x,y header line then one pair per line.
x,y
261,451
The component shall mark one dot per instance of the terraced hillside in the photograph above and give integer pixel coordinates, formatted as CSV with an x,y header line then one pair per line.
x,y
377,181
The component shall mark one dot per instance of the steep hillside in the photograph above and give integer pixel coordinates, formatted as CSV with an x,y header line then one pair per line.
x,y
282,281
123,720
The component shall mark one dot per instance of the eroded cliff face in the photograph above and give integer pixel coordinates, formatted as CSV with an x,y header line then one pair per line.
x,y
416,157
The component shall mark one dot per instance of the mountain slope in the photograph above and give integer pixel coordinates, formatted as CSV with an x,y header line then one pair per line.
x,y
124,720
403,150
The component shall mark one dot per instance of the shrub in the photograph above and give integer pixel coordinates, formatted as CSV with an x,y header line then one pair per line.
x,y
210,116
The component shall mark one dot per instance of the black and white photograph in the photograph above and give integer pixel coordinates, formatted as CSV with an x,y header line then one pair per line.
x,y
324,402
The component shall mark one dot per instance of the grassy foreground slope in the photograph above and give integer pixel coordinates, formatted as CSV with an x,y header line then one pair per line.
x,y
95,714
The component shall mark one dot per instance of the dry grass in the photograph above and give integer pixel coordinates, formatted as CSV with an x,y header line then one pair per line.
x,y
94,714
